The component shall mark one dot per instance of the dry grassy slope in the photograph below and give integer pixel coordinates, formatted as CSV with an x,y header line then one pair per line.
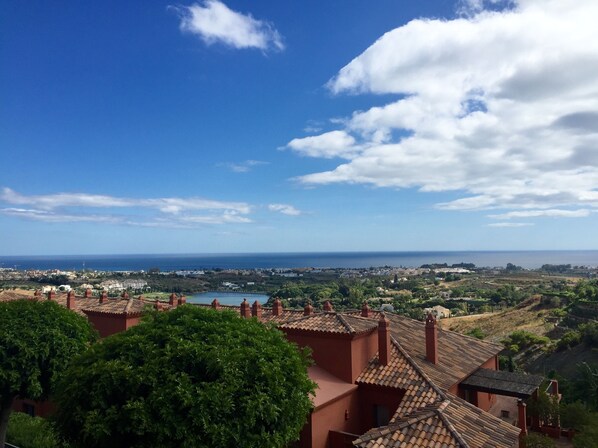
x,y
528,316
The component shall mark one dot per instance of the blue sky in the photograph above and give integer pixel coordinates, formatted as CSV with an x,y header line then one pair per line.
x,y
153,127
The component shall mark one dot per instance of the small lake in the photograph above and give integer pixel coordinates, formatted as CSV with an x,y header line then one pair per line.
x,y
227,298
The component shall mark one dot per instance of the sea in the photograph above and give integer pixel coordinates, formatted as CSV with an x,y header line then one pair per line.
x,y
180,262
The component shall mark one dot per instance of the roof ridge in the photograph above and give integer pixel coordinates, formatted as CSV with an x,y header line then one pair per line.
x,y
449,425
418,369
347,325
422,414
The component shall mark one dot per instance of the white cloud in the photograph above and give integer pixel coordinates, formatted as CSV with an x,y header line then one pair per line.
x,y
214,22
285,209
328,145
500,107
172,212
46,216
511,224
552,213
165,205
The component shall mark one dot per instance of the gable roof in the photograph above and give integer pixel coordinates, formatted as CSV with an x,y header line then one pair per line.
x,y
458,355
402,373
331,322
128,307
429,416
421,429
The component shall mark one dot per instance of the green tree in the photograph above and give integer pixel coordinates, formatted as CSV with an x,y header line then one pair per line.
x,y
576,416
191,377
37,341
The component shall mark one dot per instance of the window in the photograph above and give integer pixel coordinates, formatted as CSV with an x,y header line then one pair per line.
x,y
381,415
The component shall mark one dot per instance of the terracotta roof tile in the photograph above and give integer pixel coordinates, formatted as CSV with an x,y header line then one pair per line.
x,y
84,305
458,355
421,429
479,428
331,322
402,373
129,306
8,296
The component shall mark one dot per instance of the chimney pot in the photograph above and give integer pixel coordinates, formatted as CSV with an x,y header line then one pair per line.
x,y
125,295
216,304
182,300
37,294
51,294
157,305
172,300
383,340
308,310
256,310
103,297
87,294
245,312
431,339
327,306
554,385
365,309
277,307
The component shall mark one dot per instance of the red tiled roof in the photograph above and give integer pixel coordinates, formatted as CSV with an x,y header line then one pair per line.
x,y
7,296
422,429
458,355
402,373
82,305
331,322
129,307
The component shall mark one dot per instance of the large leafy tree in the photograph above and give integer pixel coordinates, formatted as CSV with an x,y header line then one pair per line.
x,y
37,341
190,377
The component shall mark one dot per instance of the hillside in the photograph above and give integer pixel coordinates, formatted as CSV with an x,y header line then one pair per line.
x,y
528,315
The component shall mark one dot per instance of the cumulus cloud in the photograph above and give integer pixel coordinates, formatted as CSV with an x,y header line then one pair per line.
x,y
214,22
500,106
285,209
172,211
328,145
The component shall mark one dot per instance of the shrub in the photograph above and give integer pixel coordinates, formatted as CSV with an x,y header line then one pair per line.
x,y
570,339
589,333
535,440
32,432
476,333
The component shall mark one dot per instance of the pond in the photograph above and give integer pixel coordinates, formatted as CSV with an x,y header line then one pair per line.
x,y
227,298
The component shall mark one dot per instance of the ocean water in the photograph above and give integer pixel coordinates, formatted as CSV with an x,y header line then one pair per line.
x,y
227,298
526,259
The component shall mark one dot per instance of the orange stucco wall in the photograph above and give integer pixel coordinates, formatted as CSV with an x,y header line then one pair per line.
x,y
339,415
363,348
482,400
344,356
330,352
486,400
108,324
